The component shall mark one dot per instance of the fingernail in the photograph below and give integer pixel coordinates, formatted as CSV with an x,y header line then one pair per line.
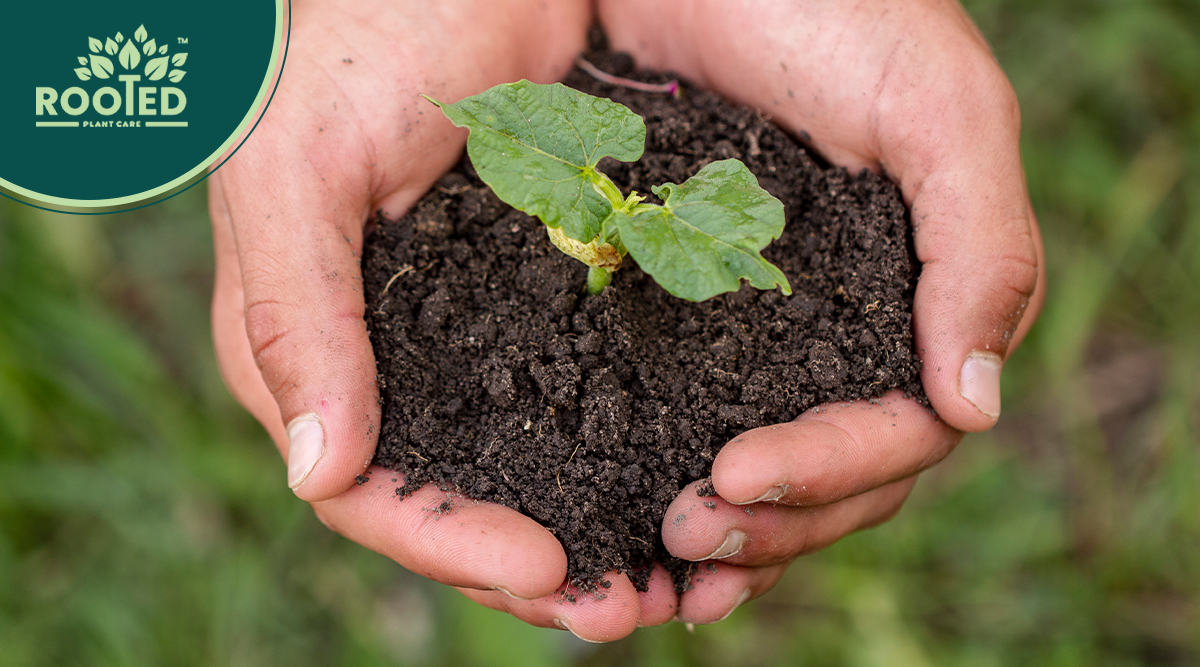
x,y
306,446
507,592
979,382
562,625
741,601
774,493
732,546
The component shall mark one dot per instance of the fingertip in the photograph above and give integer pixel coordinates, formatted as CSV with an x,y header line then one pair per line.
x,y
323,460
658,603
769,464
603,615
969,399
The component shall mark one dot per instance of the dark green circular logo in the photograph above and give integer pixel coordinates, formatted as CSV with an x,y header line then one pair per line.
x,y
114,106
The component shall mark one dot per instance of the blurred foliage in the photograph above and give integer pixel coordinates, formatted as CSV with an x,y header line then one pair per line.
x,y
144,519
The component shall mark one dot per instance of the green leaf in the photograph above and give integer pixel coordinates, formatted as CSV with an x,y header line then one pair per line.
x,y
83,61
102,67
149,47
176,75
83,73
110,47
162,49
156,68
119,37
537,147
707,235
129,56
94,45
140,34
179,59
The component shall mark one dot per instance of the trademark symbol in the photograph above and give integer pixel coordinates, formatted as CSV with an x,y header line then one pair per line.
x,y
182,40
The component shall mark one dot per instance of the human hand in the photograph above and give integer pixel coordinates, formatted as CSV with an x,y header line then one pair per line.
x,y
911,89
347,135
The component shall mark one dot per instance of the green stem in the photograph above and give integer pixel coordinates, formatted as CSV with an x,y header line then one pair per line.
x,y
607,189
598,279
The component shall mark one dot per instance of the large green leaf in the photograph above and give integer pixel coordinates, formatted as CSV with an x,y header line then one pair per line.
x,y
707,235
537,147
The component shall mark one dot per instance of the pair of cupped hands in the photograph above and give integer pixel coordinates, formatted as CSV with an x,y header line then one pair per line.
x,y
904,87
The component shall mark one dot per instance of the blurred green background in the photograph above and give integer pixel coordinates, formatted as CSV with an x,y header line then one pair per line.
x,y
144,519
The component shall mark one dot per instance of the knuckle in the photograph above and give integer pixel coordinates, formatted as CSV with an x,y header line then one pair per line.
x,y
1017,271
270,329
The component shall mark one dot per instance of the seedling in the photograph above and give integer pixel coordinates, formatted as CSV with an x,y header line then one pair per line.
x,y
537,147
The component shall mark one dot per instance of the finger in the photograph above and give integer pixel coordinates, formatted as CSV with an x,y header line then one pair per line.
x,y
303,310
832,452
448,538
764,534
605,615
720,588
234,358
659,603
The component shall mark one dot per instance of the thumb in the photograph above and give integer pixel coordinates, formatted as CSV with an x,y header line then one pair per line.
x,y
982,282
297,250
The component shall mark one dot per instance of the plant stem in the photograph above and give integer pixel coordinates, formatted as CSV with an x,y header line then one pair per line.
x,y
670,88
598,279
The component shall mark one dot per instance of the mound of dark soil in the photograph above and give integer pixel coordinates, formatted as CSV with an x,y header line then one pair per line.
x,y
501,380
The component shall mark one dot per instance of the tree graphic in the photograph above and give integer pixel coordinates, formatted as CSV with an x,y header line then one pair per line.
x,y
98,64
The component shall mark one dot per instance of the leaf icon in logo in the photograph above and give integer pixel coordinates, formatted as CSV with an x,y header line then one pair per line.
x,y
101,66
119,38
129,57
157,68
94,45
163,49
83,61
83,73
149,47
140,34
176,75
110,47
179,59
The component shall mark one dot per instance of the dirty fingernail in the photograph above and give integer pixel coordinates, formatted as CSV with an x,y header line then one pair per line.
x,y
562,625
774,493
979,382
306,446
732,546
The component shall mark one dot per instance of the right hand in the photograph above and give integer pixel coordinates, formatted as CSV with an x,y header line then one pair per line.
x,y
346,135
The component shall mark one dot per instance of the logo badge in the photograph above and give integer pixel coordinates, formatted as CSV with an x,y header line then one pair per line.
x,y
135,102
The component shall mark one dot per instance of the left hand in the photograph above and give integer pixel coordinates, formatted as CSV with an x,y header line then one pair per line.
x,y
909,88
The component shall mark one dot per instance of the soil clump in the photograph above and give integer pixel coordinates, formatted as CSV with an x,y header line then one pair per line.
x,y
503,382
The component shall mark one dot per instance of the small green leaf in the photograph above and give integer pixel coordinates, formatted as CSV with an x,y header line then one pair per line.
x,y
156,68
83,61
83,73
179,59
119,37
94,45
140,34
708,234
162,50
129,57
110,47
537,147
176,75
149,47
102,67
